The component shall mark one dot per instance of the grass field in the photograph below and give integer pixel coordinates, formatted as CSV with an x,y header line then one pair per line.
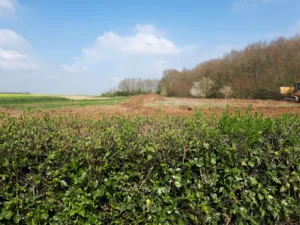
x,y
23,101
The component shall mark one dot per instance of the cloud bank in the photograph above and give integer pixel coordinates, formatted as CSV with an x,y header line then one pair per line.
x,y
13,52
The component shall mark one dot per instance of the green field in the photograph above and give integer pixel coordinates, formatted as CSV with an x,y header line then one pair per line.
x,y
24,102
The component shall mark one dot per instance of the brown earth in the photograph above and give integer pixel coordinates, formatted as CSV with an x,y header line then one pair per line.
x,y
139,101
150,104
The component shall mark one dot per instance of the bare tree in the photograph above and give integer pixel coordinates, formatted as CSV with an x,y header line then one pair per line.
x,y
201,87
138,85
260,66
226,91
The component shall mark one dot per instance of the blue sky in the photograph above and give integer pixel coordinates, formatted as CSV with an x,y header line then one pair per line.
x,y
86,47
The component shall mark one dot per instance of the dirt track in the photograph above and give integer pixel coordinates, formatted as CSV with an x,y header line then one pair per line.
x,y
150,104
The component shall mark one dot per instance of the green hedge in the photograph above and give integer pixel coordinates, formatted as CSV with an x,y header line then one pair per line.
x,y
161,170
122,93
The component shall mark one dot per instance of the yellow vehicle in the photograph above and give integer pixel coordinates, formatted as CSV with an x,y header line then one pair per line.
x,y
291,93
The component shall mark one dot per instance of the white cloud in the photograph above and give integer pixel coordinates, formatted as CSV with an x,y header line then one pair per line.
x,y
109,44
7,7
11,40
13,60
112,47
74,68
14,52
11,55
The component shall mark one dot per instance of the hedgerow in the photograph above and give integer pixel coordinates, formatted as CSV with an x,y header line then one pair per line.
x,y
234,169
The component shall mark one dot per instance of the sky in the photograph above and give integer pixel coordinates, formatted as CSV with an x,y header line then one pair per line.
x,y
87,47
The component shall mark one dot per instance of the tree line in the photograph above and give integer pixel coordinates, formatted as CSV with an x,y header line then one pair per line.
x,y
254,72
134,86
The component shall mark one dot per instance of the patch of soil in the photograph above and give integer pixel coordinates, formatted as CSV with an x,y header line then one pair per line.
x,y
138,105
141,100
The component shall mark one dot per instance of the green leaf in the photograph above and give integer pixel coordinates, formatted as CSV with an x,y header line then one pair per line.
x,y
213,161
81,212
283,188
63,183
251,164
177,184
260,197
276,180
30,214
81,179
180,222
243,211
206,146
44,215
17,219
8,214
98,193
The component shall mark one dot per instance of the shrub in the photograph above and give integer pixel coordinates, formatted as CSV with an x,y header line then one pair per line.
x,y
226,91
122,93
170,170
201,87
267,94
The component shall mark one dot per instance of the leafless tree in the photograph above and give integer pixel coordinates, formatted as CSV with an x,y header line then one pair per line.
x,y
260,66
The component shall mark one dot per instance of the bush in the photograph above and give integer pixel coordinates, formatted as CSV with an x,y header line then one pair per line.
x,y
266,94
201,87
215,95
122,93
170,170
226,91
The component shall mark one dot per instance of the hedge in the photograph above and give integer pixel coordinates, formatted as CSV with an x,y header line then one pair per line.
x,y
233,169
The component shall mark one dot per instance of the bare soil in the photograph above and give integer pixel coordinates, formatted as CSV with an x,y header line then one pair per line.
x,y
150,104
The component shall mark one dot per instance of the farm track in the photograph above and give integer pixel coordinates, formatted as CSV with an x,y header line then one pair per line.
x,y
150,104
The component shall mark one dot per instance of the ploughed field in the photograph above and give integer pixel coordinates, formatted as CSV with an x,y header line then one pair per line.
x,y
140,105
